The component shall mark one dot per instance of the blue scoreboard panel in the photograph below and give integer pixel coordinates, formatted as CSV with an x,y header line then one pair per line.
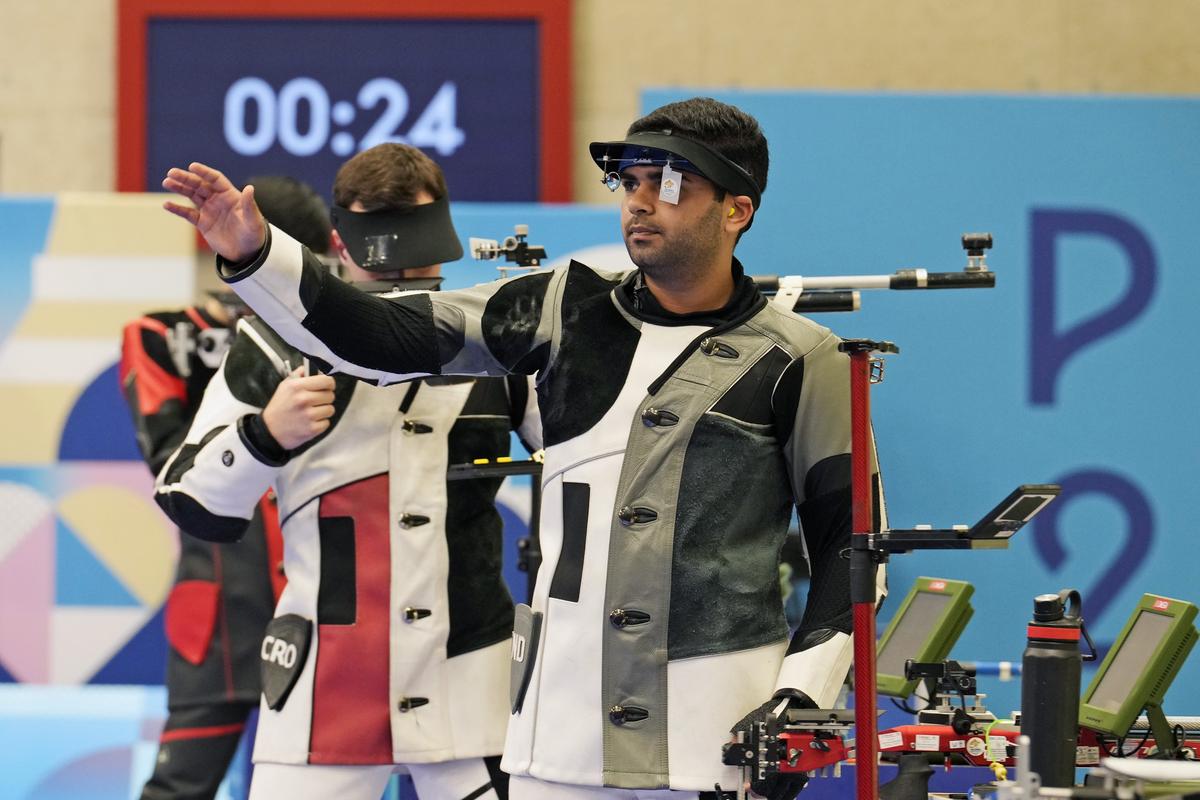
x,y
296,88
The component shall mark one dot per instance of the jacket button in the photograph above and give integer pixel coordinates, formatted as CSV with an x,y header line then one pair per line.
x,y
413,614
412,520
658,416
622,714
407,704
623,618
636,515
227,458
715,347
412,426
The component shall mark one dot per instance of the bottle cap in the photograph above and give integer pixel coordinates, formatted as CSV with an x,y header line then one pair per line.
x,y
1047,608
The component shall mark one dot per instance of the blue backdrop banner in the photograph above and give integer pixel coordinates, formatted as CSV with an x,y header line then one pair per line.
x,y
1072,370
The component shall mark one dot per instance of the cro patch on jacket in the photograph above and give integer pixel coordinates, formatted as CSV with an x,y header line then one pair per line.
x,y
284,651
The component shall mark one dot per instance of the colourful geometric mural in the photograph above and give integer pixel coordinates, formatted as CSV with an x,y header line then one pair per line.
x,y
86,559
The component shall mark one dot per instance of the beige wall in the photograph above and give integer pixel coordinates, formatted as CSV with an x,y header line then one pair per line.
x,y
57,62
57,95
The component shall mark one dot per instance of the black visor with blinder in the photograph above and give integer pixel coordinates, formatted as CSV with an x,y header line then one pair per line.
x,y
391,239
658,148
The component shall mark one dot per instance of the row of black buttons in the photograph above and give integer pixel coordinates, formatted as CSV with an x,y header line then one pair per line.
x,y
407,704
408,521
623,618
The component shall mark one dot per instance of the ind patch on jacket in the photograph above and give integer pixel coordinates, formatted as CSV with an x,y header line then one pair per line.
x,y
527,630
284,651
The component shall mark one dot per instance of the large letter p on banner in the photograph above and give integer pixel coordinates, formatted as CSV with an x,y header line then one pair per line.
x,y
1050,349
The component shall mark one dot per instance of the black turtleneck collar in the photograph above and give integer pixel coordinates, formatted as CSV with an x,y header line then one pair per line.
x,y
635,297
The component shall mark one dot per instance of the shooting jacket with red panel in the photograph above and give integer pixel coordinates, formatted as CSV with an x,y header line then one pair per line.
x,y
397,569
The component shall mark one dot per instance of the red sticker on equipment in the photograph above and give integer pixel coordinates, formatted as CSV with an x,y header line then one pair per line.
x,y
938,586
1161,605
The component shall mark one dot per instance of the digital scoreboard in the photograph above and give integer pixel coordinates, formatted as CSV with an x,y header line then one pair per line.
x,y
259,87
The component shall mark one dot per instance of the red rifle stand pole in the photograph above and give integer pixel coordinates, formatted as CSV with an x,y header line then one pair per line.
x,y
863,564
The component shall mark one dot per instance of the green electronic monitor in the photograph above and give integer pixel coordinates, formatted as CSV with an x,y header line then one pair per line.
x,y
1140,667
927,624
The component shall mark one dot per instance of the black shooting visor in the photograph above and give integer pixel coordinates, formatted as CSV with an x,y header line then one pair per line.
x,y
391,239
657,148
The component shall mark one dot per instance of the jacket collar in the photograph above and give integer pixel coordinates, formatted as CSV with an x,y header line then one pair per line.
x,y
636,298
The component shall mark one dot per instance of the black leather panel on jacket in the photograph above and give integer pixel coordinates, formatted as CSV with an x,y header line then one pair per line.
x,y
786,399
568,573
511,317
257,438
393,335
828,475
725,591
187,457
489,396
337,598
594,355
252,376
481,609
518,394
827,507
750,398
197,521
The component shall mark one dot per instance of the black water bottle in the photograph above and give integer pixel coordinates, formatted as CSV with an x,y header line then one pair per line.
x,y
1050,670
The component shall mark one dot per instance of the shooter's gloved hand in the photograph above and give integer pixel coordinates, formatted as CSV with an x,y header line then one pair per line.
x,y
778,786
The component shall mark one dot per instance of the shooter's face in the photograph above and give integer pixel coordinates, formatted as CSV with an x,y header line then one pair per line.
x,y
666,238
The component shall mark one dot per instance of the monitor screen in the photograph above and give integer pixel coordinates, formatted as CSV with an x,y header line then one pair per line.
x,y
1014,511
912,632
1143,640
1024,508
